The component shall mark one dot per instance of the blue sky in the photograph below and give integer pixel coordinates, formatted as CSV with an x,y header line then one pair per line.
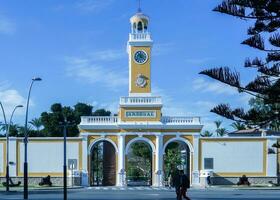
x,y
78,48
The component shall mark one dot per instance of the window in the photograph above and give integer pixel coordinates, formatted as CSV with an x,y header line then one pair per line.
x,y
208,163
140,26
72,164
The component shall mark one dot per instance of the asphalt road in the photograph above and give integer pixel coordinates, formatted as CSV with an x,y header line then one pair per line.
x,y
147,194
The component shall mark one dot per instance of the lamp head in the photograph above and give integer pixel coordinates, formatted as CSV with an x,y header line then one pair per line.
x,y
19,106
36,79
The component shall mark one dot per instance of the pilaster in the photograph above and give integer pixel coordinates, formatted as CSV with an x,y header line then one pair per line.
x,y
121,176
158,182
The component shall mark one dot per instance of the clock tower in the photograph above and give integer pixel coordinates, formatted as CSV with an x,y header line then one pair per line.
x,y
140,106
139,52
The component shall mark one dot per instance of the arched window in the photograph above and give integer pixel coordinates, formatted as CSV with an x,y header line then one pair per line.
x,y
134,26
140,26
145,26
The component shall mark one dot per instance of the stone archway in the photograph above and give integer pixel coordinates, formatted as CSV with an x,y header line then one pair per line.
x,y
139,162
183,151
102,159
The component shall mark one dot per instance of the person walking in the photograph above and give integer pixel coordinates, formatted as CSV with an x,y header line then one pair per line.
x,y
177,185
185,184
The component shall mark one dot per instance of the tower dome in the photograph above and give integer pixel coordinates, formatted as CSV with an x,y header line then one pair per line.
x,y
139,22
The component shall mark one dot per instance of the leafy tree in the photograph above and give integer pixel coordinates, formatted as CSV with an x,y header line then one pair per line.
x,y
101,112
36,123
222,132
53,120
13,129
238,126
219,130
263,35
82,109
141,149
265,109
172,160
206,134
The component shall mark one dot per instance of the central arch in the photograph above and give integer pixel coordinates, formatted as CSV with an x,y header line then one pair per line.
x,y
102,159
139,162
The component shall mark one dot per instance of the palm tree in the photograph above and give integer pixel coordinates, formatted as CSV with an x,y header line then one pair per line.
x,y
238,126
218,123
206,134
220,131
36,123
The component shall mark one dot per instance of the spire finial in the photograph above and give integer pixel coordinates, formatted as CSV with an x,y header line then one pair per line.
x,y
139,6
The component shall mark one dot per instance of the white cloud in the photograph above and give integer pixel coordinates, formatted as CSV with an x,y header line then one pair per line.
x,y
107,55
112,106
93,6
198,61
162,48
11,98
7,26
86,70
213,86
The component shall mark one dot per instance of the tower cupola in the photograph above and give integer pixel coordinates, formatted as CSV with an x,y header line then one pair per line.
x,y
139,22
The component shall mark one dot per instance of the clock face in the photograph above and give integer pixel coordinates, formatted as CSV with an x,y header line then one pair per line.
x,y
140,57
141,81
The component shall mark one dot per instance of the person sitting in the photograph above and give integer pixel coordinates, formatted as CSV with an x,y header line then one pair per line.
x,y
243,181
46,181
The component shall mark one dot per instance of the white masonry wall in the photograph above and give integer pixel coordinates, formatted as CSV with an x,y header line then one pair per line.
x,y
46,157
234,157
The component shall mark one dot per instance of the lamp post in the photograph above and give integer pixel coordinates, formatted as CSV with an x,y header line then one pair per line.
x,y
277,146
7,146
65,125
25,181
6,128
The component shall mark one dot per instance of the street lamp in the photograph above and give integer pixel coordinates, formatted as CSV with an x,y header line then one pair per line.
x,y
7,141
7,146
6,128
65,124
25,180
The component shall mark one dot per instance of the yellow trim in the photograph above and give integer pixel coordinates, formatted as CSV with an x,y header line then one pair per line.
x,y
141,130
55,174
4,158
124,118
152,138
166,138
236,174
129,137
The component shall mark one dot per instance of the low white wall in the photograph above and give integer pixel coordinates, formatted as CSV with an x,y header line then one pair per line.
x,y
46,156
234,157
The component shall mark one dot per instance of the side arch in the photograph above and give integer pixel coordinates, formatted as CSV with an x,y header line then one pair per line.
x,y
140,139
100,140
181,140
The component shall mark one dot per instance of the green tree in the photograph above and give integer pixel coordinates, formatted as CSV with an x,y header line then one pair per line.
x,y
101,112
53,120
206,134
220,131
14,129
36,123
238,126
265,110
172,160
264,36
82,109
